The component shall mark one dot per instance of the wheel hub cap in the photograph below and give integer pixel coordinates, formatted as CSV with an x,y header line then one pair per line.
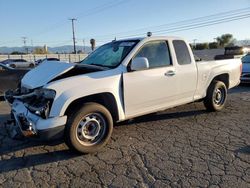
x,y
89,128
218,96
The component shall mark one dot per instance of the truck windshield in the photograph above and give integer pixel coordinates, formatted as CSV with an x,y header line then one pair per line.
x,y
111,54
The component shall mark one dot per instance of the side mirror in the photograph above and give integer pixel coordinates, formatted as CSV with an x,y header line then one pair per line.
x,y
139,63
196,58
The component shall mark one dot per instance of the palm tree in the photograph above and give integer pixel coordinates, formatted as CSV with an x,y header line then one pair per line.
x,y
224,40
92,42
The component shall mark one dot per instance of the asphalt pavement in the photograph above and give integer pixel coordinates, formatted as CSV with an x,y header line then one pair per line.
x,y
181,147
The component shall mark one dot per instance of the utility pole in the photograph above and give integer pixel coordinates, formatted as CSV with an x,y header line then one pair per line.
x,y
83,45
194,43
32,46
73,32
24,44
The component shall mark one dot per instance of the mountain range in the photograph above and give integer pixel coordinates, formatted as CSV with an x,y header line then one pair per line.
x,y
69,48
58,49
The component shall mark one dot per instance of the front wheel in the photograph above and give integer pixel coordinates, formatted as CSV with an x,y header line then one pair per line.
x,y
216,96
89,128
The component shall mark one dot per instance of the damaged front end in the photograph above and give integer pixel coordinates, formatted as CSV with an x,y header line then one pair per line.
x,y
30,108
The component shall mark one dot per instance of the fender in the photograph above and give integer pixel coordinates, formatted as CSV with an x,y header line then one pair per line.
x,y
76,87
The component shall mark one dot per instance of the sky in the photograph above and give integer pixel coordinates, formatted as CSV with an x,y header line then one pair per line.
x,y
47,21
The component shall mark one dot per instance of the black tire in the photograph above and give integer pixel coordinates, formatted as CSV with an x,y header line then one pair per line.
x,y
31,65
13,66
97,125
216,96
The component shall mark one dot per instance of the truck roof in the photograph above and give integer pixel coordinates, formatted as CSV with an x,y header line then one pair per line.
x,y
153,38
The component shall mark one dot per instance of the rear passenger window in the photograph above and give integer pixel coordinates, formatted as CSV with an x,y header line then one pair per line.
x,y
157,53
182,53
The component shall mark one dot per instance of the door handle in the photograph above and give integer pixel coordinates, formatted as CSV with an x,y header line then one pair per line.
x,y
170,73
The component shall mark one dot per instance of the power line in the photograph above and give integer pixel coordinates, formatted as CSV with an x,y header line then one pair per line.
x,y
24,40
183,25
176,26
195,25
205,24
180,23
188,27
88,12
101,8
24,44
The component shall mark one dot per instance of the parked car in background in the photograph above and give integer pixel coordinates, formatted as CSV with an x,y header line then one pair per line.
x,y
39,61
245,76
18,63
10,77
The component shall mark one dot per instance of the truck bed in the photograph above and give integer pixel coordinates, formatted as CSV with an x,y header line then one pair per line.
x,y
207,70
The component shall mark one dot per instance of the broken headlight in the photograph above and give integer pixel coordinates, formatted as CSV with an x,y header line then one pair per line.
x,y
45,93
41,104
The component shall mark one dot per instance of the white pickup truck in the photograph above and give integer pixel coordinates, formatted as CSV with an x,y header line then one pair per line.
x,y
118,81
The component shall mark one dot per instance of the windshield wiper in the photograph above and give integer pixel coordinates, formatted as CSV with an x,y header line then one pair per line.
x,y
100,65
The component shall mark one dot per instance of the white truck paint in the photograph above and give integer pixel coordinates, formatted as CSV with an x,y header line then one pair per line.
x,y
134,93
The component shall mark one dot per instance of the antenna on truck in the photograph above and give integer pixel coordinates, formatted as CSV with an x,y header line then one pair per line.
x,y
149,34
114,40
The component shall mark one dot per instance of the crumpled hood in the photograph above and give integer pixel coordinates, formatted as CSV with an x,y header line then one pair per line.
x,y
44,73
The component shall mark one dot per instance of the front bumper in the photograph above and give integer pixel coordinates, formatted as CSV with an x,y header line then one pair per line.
x,y
245,78
33,125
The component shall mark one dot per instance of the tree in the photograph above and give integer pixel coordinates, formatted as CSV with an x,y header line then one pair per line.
x,y
39,51
213,45
201,46
92,42
16,53
232,43
225,39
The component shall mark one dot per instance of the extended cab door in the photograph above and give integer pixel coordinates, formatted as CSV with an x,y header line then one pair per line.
x,y
154,88
186,71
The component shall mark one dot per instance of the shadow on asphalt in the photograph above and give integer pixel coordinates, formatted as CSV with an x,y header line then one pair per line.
x,y
245,150
165,116
10,146
16,163
25,143
241,88
13,162
20,162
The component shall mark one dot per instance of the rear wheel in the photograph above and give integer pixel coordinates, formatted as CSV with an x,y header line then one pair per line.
x,y
216,96
89,128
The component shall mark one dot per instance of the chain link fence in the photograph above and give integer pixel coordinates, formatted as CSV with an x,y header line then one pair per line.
x,y
33,57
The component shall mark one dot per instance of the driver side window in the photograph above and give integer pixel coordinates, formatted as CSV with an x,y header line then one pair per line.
x,y
157,53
